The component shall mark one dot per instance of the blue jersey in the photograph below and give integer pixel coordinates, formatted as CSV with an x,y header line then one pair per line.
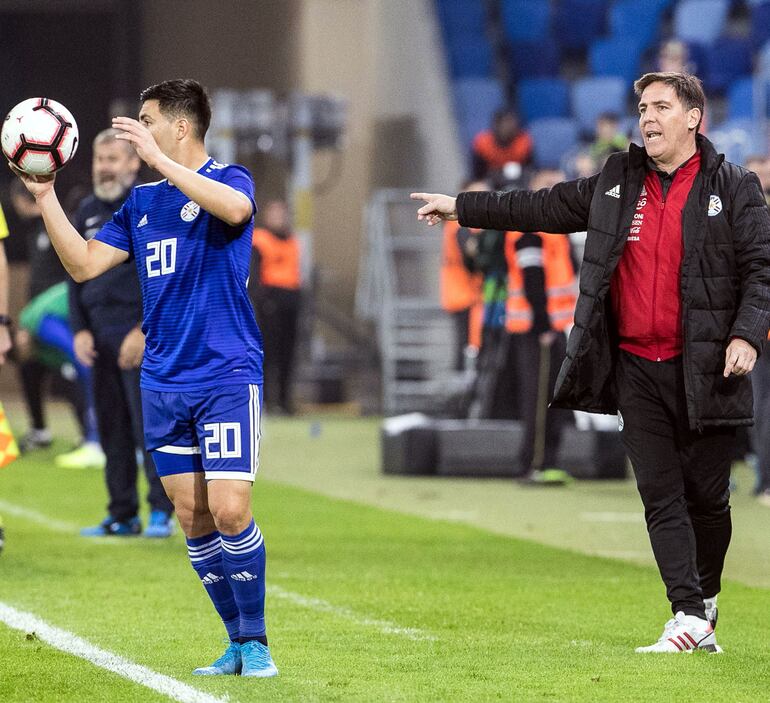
x,y
193,268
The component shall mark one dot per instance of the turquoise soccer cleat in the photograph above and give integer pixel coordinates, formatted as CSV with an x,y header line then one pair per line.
x,y
161,525
257,660
228,664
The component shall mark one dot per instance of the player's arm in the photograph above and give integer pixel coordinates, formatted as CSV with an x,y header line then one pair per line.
x,y
82,259
218,199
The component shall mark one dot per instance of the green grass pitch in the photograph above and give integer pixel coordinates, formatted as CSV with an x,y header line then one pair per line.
x,y
364,603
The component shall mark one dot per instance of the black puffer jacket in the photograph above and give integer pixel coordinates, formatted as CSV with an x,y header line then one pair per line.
x,y
725,275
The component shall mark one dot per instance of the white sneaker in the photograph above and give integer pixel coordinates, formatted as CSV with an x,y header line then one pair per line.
x,y
685,633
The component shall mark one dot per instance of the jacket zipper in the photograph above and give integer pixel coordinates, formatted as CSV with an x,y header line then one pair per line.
x,y
655,276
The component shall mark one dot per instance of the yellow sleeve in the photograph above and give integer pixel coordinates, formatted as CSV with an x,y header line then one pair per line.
x,y
3,225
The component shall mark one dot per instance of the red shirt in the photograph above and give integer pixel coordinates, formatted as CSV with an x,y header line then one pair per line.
x,y
645,289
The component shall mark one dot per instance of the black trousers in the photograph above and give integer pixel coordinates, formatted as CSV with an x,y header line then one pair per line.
x,y
535,369
118,403
760,378
278,316
683,479
461,320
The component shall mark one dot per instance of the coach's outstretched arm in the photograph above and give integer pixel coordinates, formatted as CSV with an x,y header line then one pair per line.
x,y
563,208
82,259
218,199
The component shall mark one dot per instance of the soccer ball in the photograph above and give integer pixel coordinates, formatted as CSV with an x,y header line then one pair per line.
x,y
39,136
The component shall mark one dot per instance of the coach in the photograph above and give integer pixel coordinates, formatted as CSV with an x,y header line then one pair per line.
x,y
674,306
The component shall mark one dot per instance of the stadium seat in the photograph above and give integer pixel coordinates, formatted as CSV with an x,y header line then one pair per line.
x,y
638,20
700,21
476,100
740,99
542,97
552,138
616,56
531,59
525,20
593,96
737,139
471,57
760,24
727,60
577,23
461,17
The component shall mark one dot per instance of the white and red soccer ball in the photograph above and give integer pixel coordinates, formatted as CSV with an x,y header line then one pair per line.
x,y
39,136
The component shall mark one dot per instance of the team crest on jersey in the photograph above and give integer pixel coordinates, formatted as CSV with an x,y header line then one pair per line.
x,y
715,205
190,211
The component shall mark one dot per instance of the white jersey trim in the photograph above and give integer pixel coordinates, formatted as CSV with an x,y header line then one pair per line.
x,y
172,449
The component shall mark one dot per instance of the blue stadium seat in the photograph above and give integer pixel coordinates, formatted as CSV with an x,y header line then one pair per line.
x,y
532,59
470,57
738,139
526,20
616,56
727,60
636,19
552,138
542,97
577,23
740,97
700,21
760,25
593,96
463,17
476,100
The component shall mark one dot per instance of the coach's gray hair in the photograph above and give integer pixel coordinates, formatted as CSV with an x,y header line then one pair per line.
x,y
110,135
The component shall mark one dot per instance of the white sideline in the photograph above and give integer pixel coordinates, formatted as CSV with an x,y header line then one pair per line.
x,y
388,628
317,604
72,644
37,518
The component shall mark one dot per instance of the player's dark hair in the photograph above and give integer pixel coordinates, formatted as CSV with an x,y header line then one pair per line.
x,y
688,89
182,97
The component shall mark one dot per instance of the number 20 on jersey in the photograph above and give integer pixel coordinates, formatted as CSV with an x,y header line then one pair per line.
x,y
161,259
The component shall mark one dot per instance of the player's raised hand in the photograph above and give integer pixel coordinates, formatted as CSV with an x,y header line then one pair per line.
x,y
140,137
37,185
438,207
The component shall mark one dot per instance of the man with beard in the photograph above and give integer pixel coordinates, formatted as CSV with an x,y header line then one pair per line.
x,y
106,316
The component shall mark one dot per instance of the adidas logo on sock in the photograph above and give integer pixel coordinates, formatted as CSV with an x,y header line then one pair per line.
x,y
210,578
243,576
614,192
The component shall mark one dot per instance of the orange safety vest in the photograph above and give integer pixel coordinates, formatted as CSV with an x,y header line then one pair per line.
x,y
280,259
560,284
519,150
459,288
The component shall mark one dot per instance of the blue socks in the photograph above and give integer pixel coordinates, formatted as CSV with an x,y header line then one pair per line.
x,y
206,558
243,558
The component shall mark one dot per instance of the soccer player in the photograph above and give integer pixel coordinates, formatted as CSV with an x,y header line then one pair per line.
x,y
190,235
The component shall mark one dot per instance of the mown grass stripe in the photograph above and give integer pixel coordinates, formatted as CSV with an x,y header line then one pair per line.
x,y
72,644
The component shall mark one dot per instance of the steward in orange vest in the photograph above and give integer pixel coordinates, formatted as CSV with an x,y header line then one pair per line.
x,y
505,143
542,293
460,289
274,287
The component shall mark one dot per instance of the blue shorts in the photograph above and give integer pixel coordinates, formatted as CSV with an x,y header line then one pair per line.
x,y
215,431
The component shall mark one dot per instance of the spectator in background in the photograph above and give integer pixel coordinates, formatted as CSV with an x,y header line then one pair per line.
x,y
674,56
582,165
761,375
39,364
608,139
274,283
500,154
5,320
461,286
106,316
542,291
